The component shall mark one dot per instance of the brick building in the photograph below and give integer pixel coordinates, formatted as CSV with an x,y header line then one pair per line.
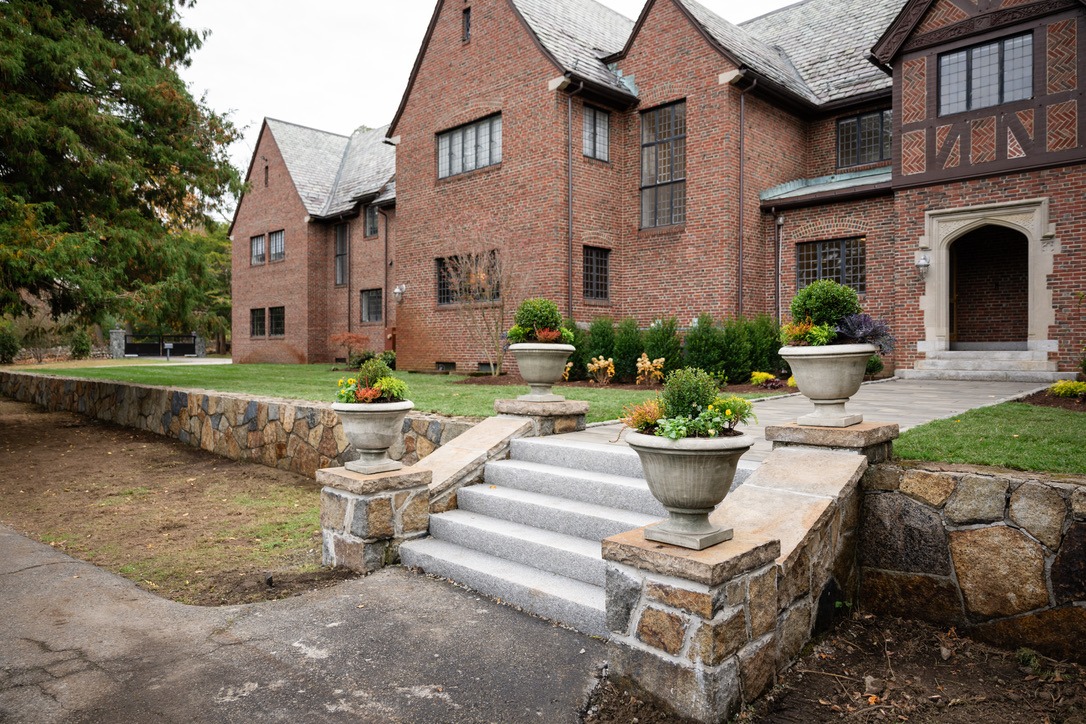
x,y
929,155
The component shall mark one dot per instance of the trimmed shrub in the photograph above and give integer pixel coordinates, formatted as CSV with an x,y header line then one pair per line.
x,y
580,356
389,358
538,313
704,346
601,338
765,341
736,351
628,348
80,344
874,365
687,392
1068,388
662,340
825,302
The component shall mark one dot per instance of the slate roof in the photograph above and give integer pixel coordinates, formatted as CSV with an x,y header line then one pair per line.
x,y
828,41
751,50
331,172
578,33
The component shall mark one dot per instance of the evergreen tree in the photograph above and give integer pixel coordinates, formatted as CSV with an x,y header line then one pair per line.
x,y
105,157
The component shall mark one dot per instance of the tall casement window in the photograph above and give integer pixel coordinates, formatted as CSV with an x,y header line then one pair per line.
x,y
663,166
256,250
986,75
597,273
256,323
842,260
277,321
864,138
370,226
597,132
342,235
465,25
371,305
469,278
469,147
277,250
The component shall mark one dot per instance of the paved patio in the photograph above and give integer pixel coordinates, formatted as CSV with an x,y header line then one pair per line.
x,y
907,402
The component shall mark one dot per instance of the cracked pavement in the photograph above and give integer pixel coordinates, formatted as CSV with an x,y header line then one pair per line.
x,y
78,644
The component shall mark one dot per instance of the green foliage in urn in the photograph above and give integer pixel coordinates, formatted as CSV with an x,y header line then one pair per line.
x,y
687,392
538,320
373,383
825,302
718,419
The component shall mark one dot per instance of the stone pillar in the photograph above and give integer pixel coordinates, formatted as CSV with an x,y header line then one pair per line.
x,y
365,518
201,346
548,418
874,440
116,343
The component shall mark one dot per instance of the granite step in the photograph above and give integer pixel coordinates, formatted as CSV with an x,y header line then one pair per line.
x,y
561,515
574,603
556,553
617,459
616,491
985,375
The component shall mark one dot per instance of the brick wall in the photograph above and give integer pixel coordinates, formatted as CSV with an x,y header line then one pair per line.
x,y
264,209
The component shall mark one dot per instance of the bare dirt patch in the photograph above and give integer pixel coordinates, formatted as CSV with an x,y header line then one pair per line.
x,y
1043,399
181,522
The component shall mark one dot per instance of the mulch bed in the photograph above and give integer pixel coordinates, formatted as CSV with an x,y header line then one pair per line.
x,y
1043,399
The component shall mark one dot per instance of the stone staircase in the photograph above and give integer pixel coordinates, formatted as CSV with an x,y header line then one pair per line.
x,y
530,533
986,365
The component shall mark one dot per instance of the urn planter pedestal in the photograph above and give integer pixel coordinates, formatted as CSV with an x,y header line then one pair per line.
x,y
372,428
541,365
689,477
828,376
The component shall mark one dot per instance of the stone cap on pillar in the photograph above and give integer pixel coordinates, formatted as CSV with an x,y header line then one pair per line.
x,y
857,437
711,566
359,484
526,408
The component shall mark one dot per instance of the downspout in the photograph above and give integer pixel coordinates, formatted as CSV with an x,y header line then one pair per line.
x,y
384,284
778,237
569,200
742,189
349,287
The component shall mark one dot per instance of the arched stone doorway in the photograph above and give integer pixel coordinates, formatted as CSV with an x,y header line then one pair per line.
x,y
989,290
1028,220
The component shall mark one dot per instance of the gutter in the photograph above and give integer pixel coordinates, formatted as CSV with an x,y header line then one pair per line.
x,y
815,199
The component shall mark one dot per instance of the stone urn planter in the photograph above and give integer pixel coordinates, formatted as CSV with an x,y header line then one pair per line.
x,y
541,365
689,477
371,429
828,375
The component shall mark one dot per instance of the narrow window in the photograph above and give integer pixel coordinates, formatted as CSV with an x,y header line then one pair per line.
x,y
986,75
341,231
596,133
864,138
265,177
277,321
256,250
256,323
371,221
663,166
469,147
842,260
277,250
371,305
597,281
465,32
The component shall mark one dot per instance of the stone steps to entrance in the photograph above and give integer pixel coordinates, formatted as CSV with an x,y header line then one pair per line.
x,y
989,355
559,598
1018,365
985,375
986,365
530,533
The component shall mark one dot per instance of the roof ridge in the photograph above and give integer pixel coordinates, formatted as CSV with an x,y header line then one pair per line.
x,y
302,125
781,9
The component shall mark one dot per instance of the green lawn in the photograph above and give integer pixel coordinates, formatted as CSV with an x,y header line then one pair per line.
x,y
1011,435
430,393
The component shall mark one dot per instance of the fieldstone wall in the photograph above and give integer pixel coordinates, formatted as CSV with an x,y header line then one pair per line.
x,y
1000,555
293,435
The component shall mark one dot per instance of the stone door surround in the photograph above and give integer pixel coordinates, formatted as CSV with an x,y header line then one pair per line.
x,y
944,226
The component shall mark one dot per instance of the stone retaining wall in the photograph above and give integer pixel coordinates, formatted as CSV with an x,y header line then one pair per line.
x,y
1000,555
293,435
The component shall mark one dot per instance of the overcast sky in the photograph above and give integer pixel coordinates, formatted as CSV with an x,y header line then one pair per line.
x,y
330,64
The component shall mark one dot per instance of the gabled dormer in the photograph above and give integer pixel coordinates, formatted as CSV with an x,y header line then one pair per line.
x,y
984,87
